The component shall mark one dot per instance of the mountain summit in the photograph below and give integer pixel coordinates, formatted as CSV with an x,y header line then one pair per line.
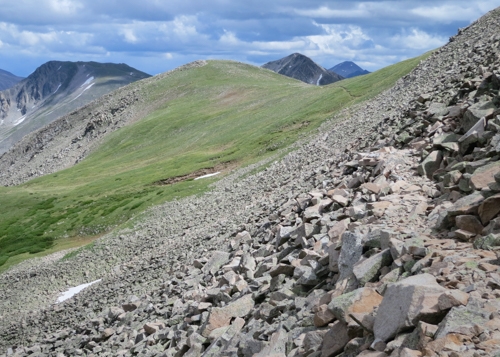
x,y
8,79
304,69
348,69
54,89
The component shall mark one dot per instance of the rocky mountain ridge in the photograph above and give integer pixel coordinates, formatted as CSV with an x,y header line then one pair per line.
x,y
69,139
376,237
302,68
8,79
53,90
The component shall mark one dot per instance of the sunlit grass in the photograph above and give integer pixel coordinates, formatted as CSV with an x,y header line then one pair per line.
x,y
219,114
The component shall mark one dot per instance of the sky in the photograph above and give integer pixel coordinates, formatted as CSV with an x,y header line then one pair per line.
x,y
155,36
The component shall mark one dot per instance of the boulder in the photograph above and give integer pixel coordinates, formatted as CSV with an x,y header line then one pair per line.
x,y
407,302
476,112
484,176
430,164
359,301
216,261
489,208
351,251
221,316
368,269
335,340
469,223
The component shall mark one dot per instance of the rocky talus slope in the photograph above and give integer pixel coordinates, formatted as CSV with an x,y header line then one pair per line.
x,y
377,237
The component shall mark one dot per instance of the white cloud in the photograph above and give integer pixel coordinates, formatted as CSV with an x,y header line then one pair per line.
x,y
185,26
418,40
229,38
448,13
65,7
360,11
128,34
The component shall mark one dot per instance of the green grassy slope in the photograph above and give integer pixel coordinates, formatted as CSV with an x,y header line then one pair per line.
x,y
221,115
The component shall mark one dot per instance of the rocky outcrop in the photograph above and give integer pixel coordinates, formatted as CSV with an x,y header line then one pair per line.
x,y
55,89
339,248
304,69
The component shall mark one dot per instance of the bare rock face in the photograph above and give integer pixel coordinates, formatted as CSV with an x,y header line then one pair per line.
x,y
407,302
53,90
304,69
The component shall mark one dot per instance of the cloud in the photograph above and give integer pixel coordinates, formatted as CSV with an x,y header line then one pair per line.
x,y
65,7
418,39
159,35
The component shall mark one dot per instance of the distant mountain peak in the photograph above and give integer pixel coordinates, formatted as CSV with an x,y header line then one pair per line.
x,y
348,69
54,89
303,68
8,80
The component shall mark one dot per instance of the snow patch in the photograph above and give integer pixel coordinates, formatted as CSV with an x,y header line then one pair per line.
x,y
82,92
20,120
73,291
59,68
59,86
87,81
131,73
319,79
207,175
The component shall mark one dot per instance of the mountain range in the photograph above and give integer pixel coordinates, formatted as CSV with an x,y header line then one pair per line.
x,y
55,89
304,69
348,69
8,79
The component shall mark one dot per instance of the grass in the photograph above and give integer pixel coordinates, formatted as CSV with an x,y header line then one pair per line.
x,y
224,113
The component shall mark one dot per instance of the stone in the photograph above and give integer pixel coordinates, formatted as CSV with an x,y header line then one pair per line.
x,y
372,187
359,301
463,235
487,242
323,316
462,320
221,316
351,251
341,200
335,340
152,327
285,269
484,176
216,261
224,340
131,306
452,298
277,345
466,205
489,208
406,352
476,112
366,270
407,302
107,333
312,340
430,164
338,229
469,223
